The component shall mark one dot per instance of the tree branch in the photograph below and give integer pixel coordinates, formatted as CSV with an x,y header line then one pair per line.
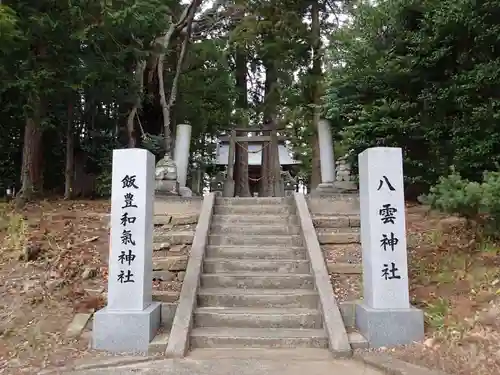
x,y
185,21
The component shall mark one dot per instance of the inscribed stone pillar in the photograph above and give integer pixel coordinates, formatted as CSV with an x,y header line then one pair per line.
x,y
385,316
181,152
130,319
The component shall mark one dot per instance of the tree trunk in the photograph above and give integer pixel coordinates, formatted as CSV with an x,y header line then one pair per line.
x,y
70,156
271,100
139,80
242,188
316,83
31,171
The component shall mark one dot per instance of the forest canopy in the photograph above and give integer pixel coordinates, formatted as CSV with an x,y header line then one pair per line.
x,y
80,78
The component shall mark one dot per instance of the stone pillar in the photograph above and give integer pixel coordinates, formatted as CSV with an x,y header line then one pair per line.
x,y
181,156
327,161
131,319
385,316
326,152
229,184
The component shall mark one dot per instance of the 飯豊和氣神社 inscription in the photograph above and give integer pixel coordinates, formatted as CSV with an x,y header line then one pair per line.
x,y
127,221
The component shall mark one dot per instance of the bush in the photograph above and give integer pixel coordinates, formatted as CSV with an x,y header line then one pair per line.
x,y
477,202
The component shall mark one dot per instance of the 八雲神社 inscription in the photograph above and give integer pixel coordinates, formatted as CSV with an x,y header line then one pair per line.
x,y
384,316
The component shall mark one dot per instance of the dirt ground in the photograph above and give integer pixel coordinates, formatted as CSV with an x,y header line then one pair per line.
x,y
53,259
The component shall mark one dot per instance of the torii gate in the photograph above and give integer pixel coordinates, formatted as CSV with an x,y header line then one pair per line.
x,y
271,141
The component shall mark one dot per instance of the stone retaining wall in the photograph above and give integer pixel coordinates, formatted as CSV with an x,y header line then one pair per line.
x,y
177,205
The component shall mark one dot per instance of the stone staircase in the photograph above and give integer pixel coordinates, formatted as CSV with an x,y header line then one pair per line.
x,y
256,288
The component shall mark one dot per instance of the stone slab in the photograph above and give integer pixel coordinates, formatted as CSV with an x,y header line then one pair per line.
x,y
260,361
165,296
78,324
175,238
230,337
176,205
162,219
389,327
171,263
126,331
348,311
344,268
167,313
159,343
393,366
358,341
184,219
339,203
338,238
252,240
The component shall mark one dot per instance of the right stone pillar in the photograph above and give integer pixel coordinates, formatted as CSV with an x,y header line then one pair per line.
x,y
327,161
329,183
385,316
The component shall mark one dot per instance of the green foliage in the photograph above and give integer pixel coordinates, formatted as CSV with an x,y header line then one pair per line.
x,y
477,202
421,75
455,195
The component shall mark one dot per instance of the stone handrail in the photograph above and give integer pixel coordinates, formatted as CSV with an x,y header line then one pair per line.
x,y
332,317
181,327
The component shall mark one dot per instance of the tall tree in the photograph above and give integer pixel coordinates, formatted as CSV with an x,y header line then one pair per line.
x,y
242,188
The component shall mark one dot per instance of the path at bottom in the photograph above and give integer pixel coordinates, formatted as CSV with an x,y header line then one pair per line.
x,y
251,362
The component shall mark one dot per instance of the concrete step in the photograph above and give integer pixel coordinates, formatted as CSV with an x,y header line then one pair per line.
x,y
165,296
279,354
358,341
256,252
267,209
246,240
257,281
248,201
174,238
258,337
215,265
234,297
330,221
254,229
159,343
255,219
326,238
257,318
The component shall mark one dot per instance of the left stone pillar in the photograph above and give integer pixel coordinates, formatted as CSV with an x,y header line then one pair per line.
x,y
131,319
327,162
181,157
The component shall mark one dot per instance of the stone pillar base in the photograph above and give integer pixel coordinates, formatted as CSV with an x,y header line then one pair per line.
x,y
345,186
126,331
389,327
325,189
228,188
185,192
167,188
